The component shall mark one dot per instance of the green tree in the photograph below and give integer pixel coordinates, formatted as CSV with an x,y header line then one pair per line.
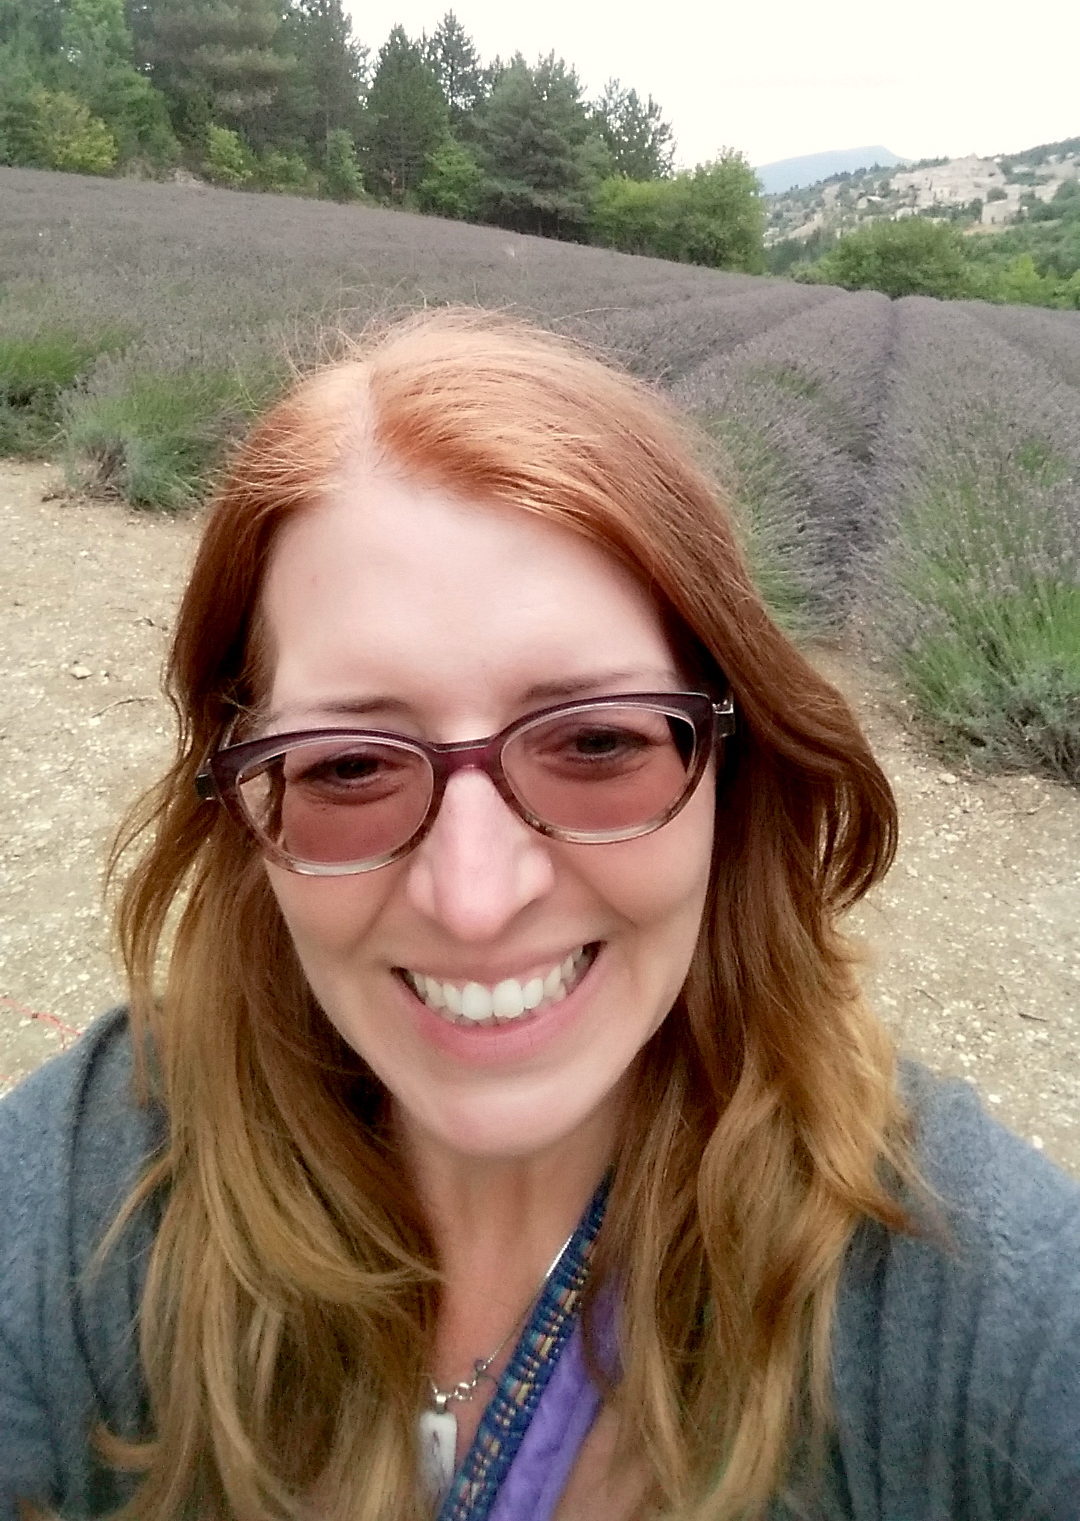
x,y
21,72
641,142
531,139
31,28
452,57
723,220
1021,283
214,60
405,118
454,183
911,257
635,216
324,92
709,215
97,65
341,172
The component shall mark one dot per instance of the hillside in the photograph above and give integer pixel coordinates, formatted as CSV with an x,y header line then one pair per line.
x,y
814,168
983,192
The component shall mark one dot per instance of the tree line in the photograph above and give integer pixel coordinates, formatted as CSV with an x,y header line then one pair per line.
x,y
270,96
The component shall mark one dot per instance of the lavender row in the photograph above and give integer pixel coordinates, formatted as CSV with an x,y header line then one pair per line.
x,y
667,340
806,394
1052,337
977,472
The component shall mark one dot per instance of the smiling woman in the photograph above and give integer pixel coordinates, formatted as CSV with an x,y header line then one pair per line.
x,y
507,1136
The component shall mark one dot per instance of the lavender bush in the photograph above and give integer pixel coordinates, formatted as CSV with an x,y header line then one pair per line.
x,y
975,588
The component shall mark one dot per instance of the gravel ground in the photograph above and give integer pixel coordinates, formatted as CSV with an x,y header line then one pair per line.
x,y
974,940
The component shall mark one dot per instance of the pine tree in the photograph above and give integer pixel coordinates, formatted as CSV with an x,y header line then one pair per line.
x,y
641,142
324,93
532,135
405,118
453,59
215,60
30,29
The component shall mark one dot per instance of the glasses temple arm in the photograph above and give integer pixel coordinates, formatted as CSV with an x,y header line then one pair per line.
x,y
724,716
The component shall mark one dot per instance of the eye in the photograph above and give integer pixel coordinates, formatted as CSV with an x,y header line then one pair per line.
x,y
592,747
356,773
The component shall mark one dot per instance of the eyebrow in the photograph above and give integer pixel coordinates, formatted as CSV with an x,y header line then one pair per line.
x,y
564,689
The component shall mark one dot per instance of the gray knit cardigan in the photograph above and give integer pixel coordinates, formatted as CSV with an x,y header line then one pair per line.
x,y
956,1373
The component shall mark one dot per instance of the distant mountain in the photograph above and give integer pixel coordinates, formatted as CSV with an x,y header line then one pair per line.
x,y
787,173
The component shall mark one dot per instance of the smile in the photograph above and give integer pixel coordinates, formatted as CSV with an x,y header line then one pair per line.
x,y
471,1003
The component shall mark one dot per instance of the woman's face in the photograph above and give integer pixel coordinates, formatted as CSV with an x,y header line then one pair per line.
x,y
446,620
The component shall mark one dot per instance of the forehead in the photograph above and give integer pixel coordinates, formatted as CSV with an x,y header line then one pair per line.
x,y
396,585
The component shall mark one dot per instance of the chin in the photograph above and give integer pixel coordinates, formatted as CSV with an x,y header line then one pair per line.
x,y
515,1129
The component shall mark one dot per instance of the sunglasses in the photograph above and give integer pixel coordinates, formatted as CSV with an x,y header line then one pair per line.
x,y
330,802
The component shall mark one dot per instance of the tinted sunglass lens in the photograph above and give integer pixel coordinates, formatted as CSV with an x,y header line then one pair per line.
x,y
338,802
603,770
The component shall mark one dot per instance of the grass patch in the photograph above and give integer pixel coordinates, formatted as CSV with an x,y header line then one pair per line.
x,y
154,440
34,374
992,646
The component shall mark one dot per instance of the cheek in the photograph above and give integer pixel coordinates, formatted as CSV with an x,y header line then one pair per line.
x,y
327,917
662,878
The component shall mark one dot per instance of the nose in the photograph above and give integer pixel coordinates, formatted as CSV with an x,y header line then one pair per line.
x,y
479,865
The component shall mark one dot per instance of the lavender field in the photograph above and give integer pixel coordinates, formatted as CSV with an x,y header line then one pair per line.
x,y
908,473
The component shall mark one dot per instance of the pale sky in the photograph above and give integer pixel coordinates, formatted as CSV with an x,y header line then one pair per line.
x,y
781,79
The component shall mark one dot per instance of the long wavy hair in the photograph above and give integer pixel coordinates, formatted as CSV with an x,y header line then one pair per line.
x,y
289,1308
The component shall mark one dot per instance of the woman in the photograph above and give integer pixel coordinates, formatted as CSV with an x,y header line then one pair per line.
x,y
510,1137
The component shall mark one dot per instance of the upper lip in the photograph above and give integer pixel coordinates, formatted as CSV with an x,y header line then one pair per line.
x,y
521,969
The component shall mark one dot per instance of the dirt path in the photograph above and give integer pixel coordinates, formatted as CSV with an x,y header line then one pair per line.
x,y
975,935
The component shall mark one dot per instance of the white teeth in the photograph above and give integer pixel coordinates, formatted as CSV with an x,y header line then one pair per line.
x,y
507,1000
475,1001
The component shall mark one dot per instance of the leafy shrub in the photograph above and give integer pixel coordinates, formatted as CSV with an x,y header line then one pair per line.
x,y
56,130
284,172
154,441
34,373
226,160
341,170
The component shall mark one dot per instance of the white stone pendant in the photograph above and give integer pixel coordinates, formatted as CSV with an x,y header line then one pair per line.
x,y
438,1451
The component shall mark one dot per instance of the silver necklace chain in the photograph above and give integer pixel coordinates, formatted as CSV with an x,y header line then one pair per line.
x,y
463,1391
